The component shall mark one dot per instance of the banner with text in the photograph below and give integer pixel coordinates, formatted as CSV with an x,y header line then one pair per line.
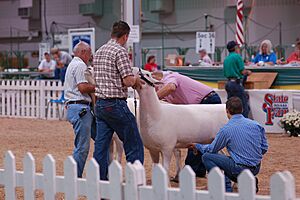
x,y
268,107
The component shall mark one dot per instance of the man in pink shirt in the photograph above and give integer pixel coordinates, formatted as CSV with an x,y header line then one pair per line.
x,y
180,89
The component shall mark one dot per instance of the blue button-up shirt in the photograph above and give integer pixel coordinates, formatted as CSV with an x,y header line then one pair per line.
x,y
244,139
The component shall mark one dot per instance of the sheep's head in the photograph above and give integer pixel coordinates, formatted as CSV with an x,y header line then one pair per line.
x,y
145,76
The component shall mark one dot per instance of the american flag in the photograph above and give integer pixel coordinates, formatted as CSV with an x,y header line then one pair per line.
x,y
239,23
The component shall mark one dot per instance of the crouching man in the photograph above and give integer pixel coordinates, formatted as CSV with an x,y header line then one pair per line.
x,y
245,141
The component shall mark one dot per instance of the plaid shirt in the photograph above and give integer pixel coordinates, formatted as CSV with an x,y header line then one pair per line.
x,y
111,66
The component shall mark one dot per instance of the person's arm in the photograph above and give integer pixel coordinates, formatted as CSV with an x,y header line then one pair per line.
x,y
166,90
218,143
83,86
242,69
133,81
272,60
86,88
40,67
52,67
246,72
123,65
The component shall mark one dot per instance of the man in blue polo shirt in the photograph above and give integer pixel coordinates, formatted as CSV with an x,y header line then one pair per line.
x,y
234,70
245,141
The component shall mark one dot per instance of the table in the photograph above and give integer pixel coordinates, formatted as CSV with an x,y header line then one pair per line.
x,y
288,76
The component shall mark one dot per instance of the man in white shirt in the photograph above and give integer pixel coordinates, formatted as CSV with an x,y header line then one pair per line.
x,y
204,58
47,65
79,104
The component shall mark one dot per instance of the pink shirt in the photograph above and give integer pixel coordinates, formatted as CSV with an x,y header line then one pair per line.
x,y
188,91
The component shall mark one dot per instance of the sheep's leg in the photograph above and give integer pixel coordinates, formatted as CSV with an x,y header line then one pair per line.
x,y
154,156
177,154
167,155
111,151
119,148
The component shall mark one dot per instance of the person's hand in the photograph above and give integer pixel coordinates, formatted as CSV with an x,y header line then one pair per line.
x,y
138,83
249,72
192,146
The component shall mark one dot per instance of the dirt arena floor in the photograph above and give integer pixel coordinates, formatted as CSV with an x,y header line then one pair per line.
x,y
41,137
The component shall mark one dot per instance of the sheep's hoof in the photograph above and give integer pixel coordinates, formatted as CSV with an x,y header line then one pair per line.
x,y
174,179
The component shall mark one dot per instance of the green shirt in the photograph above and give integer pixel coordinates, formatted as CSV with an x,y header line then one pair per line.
x,y
233,66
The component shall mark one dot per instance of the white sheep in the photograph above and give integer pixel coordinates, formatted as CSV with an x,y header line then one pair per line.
x,y
164,127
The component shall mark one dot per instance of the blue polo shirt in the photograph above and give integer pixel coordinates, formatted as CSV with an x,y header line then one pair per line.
x,y
265,58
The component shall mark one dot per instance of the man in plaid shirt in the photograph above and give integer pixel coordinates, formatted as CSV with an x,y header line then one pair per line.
x,y
113,76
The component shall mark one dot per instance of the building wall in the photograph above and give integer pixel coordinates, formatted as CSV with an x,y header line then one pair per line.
x,y
180,25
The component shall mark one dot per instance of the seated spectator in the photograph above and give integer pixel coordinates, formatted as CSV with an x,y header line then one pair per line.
x,y
204,58
47,65
151,66
266,56
295,56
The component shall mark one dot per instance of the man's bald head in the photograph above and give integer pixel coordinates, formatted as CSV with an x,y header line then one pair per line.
x,y
83,51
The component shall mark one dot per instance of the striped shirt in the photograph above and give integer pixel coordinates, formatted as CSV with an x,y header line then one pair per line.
x,y
244,139
75,76
111,66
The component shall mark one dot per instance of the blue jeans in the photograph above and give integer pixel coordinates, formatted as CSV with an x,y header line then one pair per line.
x,y
195,161
235,89
113,115
84,128
225,163
213,99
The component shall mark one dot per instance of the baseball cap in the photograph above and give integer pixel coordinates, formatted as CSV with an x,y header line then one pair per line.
x,y
231,45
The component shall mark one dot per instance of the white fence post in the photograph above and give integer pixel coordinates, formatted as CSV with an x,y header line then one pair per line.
x,y
279,189
18,101
70,180
10,176
131,192
93,177
29,177
160,180
116,180
187,182
49,183
216,184
291,187
42,102
246,184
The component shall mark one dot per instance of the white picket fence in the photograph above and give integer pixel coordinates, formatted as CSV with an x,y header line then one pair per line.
x,y
134,186
28,98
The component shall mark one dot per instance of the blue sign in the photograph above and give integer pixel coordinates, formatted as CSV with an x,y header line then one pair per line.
x,y
77,38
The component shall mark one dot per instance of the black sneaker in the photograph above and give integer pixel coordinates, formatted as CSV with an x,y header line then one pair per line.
x,y
256,184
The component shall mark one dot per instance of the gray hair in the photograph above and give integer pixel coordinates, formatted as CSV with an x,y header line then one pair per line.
x,y
269,46
80,46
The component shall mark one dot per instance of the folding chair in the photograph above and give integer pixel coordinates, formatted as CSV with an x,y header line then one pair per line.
x,y
59,102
